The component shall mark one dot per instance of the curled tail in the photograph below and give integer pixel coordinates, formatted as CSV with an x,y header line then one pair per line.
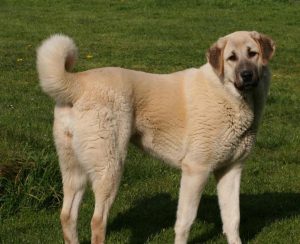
x,y
55,57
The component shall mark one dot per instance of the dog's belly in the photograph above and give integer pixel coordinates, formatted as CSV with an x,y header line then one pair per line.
x,y
163,144
160,116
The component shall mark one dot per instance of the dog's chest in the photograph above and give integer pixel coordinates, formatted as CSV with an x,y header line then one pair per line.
x,y
219,132
236,148
236,139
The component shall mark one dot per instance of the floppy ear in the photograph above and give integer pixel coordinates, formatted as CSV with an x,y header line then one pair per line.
x,y
215,56
266,44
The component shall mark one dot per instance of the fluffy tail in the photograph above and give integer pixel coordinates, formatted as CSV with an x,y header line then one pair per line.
x,y
55,57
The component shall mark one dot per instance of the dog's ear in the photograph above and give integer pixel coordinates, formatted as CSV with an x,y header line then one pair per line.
x,y
267,46
214,56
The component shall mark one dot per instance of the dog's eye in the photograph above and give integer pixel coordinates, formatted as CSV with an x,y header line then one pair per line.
x,y
233,57
252,54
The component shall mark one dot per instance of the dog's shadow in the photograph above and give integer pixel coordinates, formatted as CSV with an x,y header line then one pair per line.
x,y
150,216
147,217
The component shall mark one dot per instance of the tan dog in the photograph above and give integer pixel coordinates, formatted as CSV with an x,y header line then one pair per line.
x,y
199,120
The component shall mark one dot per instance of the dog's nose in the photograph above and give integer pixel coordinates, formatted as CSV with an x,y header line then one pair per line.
x,y
247,76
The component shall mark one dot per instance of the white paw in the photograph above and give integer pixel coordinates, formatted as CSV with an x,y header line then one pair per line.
x,y
235,240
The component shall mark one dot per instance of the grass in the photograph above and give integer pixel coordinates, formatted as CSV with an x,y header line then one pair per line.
x,y
154,36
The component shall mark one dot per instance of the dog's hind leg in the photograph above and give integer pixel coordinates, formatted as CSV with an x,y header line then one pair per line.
x,y
105,189
228,185
73,176
101,146
74,182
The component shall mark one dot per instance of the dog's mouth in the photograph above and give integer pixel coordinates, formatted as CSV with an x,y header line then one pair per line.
x,y
245,86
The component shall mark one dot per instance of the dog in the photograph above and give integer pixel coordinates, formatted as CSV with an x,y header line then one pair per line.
x,y
200,120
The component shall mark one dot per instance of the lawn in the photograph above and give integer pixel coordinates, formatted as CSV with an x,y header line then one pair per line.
x,y
155,36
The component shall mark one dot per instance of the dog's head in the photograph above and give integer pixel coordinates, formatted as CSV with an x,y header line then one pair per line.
x,y
240,57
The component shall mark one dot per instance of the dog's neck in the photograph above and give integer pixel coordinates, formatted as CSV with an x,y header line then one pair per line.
x,y
252,101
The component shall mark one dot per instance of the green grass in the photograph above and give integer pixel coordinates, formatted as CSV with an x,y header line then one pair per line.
x,y
155,36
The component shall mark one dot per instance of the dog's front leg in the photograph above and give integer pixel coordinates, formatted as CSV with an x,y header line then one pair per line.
x,y
191,187
228,185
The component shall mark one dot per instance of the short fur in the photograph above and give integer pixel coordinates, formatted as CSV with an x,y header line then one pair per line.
x,y
200,120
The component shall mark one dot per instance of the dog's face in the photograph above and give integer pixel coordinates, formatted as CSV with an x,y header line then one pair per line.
x,y
239,58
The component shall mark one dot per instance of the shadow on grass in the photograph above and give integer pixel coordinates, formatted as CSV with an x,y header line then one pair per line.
x,y
150,215
147,217
259,211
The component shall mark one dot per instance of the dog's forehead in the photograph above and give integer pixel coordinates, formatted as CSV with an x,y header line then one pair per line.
x,y
240,40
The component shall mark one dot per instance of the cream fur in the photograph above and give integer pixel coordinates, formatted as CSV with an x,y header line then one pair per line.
x,y
194,119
